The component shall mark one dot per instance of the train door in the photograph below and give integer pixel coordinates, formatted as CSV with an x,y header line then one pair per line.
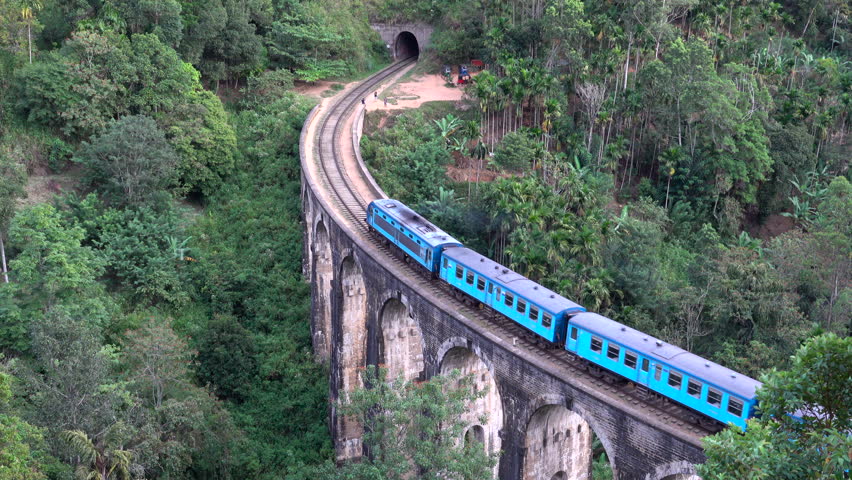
x,y
644,370
494,297
429,258
573,338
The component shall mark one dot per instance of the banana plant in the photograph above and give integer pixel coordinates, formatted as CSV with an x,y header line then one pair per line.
x,y
179,249
448,125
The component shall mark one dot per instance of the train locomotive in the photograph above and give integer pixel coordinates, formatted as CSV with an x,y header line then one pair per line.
x,y
716,395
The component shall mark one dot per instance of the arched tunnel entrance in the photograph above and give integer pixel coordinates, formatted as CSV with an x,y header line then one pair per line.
x,y
405,46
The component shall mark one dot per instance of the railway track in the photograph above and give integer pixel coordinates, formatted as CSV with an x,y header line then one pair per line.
x,y
351,205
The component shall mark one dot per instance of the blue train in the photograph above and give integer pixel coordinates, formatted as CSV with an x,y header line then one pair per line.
x,y
606,346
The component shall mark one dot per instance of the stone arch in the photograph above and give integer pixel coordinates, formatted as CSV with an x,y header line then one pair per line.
x,y
405,45
591,423
474,434
353,350
400,342
557,444
324,275
469,363
681,470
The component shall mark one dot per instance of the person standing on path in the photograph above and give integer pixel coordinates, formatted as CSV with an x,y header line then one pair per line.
x,y
386,102
363,101
376,94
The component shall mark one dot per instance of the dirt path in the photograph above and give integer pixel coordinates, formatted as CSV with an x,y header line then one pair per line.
x,y
42,186
416,91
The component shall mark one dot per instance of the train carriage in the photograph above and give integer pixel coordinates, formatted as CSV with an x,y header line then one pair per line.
x,y
525,302
417,237
608,346
704,386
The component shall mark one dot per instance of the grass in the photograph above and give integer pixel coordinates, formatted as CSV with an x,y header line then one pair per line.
x,y
377,65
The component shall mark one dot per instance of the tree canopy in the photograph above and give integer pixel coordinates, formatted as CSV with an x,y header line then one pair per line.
x,y
804,428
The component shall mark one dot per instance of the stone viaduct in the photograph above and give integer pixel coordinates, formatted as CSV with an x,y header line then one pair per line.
x,y
369,308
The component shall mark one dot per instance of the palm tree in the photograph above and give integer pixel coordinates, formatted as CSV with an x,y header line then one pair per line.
x,y
552,111
27,16
96,461
669,160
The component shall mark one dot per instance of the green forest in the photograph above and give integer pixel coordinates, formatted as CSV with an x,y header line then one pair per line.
x,y
681,166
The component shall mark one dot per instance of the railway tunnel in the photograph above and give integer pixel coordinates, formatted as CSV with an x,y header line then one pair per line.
x,y
406,46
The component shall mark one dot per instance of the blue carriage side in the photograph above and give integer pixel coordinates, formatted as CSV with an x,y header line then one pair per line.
x,y
525,302
418,238
704,386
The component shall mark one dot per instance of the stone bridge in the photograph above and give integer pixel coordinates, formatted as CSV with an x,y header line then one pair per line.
x,y
369,308
404,40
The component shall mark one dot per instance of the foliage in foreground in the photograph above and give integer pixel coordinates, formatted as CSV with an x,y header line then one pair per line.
x,y
414,428
816,445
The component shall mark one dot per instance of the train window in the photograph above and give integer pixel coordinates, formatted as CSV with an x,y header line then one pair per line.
x,y
573,333
509,300
714,397
693,387
469,278
522,306
612,351
675,379
480,283
459,271
597,344
645,365
490,288
546,320
446,263
735,406
533,313
658,373
428,256
630,360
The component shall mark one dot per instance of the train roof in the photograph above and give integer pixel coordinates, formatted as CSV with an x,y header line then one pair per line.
x,y
685,361
507,279
407,217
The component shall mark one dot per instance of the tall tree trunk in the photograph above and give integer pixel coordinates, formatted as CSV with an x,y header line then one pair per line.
x,y
808,23
3,257
30,41
627,61
669,184
834,29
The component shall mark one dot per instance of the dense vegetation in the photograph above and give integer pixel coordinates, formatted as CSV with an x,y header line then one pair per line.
x,y
679,166
629,148
141,324
682,167
778,446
